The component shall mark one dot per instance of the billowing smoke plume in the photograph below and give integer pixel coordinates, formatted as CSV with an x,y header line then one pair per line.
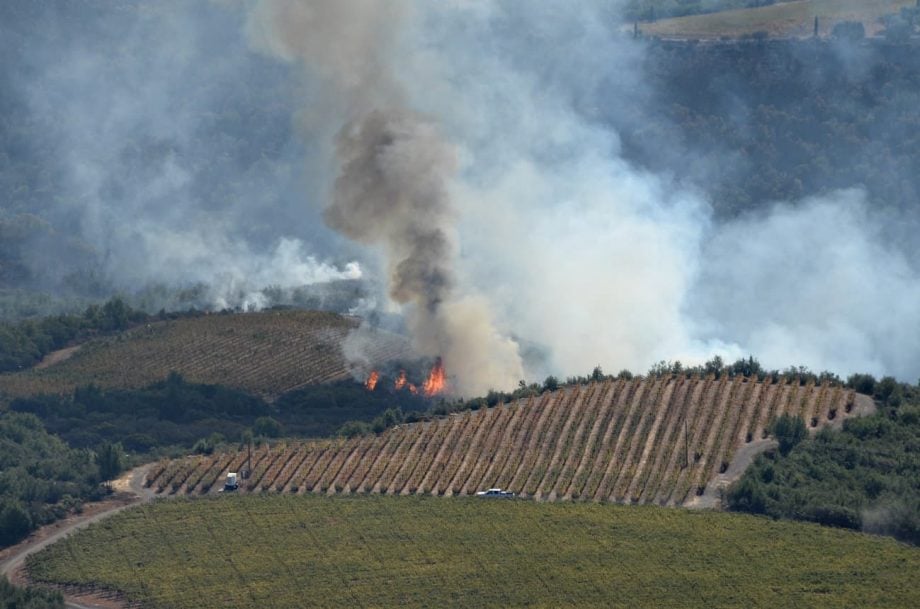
x,y
473,155
466,154
395,167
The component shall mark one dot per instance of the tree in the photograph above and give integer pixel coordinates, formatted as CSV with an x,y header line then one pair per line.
x,y
551,383
266,426
352,429
789,431
110,460
714,366
115,315
747,496
15,523
862,383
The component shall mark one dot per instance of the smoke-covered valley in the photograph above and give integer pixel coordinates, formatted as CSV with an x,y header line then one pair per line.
x,y
533,191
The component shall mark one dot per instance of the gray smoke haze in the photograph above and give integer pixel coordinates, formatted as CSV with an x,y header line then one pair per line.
x,y
162,174
605,264
593,260
463,155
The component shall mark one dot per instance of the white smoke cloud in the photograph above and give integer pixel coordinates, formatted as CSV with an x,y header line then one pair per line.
x,y
817,283
394,167
489,146
602,263
144,173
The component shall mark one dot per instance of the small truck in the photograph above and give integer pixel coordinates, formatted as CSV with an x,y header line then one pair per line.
x,y
233,482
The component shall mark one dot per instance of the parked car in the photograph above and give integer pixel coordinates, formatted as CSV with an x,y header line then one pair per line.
x,y
495,492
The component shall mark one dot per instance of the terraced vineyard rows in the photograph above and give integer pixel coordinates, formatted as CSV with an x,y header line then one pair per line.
x,y
655,441
266,353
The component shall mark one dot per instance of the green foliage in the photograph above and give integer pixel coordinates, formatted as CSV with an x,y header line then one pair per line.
x,y
110,458
866,476
266,426
24,344
175,413
15,522
863,383
293,551
172,412
389,418
14,597
41,478
789,431
352,429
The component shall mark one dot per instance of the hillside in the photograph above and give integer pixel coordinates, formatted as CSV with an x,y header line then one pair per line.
x,y
784,19
622,441
278,551
266,353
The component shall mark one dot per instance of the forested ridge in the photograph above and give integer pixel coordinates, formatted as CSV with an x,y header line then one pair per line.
x,y
778,120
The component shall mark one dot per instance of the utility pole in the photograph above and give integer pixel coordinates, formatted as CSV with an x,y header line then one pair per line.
x,y
249,459
816,23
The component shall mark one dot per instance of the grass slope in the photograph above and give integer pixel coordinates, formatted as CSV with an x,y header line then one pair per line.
x,y
266,353
282,551
787,19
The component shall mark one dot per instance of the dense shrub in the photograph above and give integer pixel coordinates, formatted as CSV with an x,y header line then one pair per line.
x,y
41,478
865,476
24,344
789,430
14,597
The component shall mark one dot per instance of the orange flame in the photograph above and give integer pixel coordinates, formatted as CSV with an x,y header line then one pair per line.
x,y
436,381
371,382
400,380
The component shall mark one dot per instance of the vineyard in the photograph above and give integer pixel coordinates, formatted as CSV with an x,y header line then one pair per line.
x,y
783,19
266,353
286,551
648,441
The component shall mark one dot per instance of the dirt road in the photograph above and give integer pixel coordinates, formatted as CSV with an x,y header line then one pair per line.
x,y
129,491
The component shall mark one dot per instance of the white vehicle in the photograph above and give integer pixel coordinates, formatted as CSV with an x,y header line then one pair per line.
x,y
232,483
495,492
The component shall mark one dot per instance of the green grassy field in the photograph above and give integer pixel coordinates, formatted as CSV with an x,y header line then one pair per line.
x,y
315,551
787,19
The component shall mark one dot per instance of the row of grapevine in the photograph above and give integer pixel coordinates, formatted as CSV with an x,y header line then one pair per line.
x,y
640,441
267,353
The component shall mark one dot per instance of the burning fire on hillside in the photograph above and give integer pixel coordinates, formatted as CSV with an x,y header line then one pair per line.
x,y
371,382
435,384
436,381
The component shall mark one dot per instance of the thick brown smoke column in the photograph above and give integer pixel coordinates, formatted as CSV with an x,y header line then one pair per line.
x,y
394,167
391,192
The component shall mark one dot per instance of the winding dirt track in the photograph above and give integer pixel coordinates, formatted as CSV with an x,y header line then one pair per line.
x,y
130,491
